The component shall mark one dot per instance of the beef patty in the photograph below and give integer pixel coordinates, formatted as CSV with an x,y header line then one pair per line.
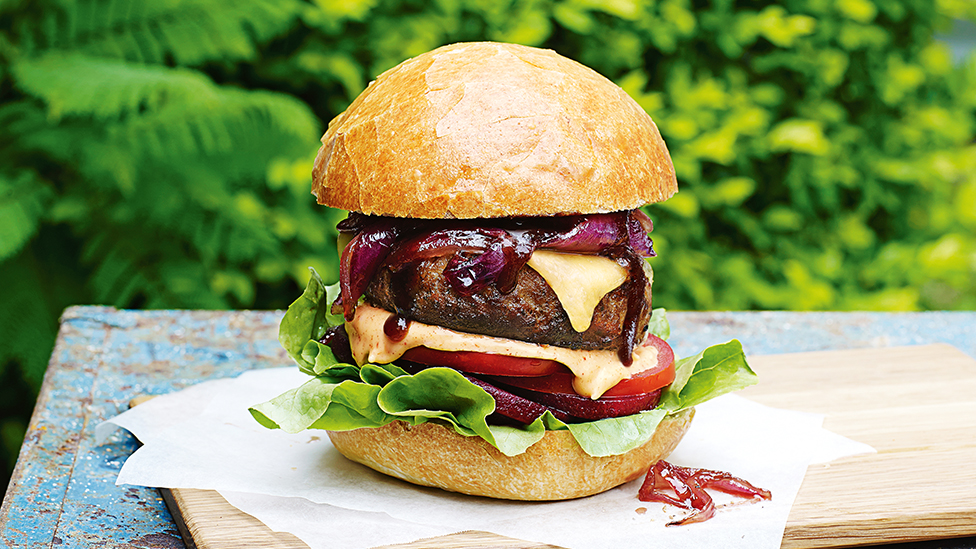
x,y
530,312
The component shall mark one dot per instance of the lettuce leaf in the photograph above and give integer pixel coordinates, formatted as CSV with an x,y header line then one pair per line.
x,y
616,435
443,394
512,441
345,396
307,320
717,370
658,324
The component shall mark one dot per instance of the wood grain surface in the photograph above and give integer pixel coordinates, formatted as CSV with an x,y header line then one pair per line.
x,y
915,405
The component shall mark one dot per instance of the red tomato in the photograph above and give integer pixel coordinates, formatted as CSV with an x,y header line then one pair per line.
x,y
474,362
649,380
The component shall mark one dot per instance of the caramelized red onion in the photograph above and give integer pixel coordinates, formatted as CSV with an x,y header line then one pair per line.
x,y
361,259
482,256
639,226
596,232
688,485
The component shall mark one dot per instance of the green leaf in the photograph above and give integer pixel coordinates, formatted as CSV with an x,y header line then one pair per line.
x,y
658,324
322,404
297,409
782,29
363,399
617,435
342,418
73,84
445,395
573,18
512,441
319,356
805,136
22,202
380,374
717,370
29,310
440,393
306,321
184,31
734,190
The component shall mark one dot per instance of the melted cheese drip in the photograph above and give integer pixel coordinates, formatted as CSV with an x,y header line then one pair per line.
x,y
579,281
595,371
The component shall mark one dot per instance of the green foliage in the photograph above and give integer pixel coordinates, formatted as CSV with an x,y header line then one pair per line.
x,y
157,154
825,152
133,175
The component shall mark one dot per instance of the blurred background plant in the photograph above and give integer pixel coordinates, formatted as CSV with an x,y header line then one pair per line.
x,y
157,154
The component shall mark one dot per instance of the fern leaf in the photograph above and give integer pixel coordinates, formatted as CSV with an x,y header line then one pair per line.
x,y
188,32
80,85
27,324
22,203
112,273
153,111
220,126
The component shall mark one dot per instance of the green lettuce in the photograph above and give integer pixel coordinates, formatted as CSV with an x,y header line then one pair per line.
x,y
307,320
340,397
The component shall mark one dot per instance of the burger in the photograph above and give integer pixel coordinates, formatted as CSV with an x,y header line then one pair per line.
x,y
491,330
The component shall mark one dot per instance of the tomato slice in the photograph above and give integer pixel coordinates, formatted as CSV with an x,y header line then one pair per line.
x,y
650,380
543,375
474,362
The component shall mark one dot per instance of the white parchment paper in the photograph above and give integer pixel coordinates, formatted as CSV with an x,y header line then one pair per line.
x,y
204,437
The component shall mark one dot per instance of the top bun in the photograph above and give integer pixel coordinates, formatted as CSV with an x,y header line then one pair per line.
x,y
491,130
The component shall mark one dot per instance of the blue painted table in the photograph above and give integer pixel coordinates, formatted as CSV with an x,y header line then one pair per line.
x,y
63,493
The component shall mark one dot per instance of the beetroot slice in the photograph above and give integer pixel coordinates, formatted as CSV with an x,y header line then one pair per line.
x,y
516,407
590,409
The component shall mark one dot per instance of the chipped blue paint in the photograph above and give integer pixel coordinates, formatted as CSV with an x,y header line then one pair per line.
x,y
63,490
791,332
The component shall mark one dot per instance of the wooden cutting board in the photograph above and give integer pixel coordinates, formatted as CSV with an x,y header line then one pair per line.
x,y
915,405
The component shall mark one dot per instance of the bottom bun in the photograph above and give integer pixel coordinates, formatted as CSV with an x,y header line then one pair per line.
x,y
554,468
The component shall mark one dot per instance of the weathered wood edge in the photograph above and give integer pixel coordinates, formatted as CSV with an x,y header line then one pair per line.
x,y
177,513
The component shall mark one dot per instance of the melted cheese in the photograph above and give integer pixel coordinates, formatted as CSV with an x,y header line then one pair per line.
x,y
579,281
595,371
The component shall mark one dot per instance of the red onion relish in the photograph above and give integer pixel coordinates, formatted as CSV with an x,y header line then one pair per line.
x,y
361,259
688,485
488,252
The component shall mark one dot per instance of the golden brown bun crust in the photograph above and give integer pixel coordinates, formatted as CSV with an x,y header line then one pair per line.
x,y
552,469
492,130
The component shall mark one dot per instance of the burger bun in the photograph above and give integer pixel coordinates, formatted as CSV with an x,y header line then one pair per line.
x,y
555,468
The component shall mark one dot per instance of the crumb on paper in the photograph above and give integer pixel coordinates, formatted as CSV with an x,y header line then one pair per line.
x,y
738,502
641,510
